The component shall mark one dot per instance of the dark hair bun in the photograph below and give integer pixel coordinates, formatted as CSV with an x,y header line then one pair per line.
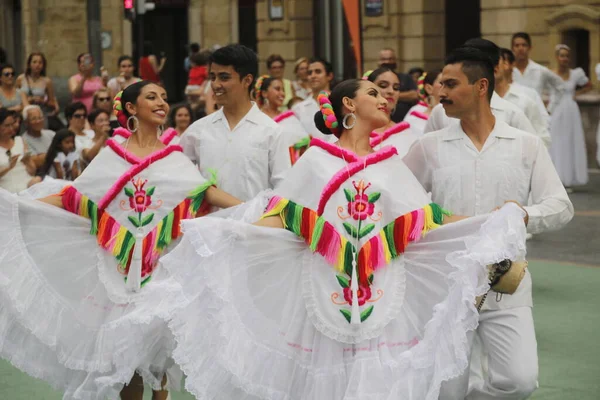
x,y
320,123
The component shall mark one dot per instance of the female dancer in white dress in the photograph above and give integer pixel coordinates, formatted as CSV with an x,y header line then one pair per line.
x,y
73,263
568,150
429,87
345,299
400,135
269,95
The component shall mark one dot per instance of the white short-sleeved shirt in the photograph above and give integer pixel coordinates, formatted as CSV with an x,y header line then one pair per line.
x,y
539,120
66,161
503,110
39,144
248,159
511,165
541,79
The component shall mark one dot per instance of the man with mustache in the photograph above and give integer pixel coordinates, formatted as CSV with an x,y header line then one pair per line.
x,y
408,88
239,142
502,109
474,165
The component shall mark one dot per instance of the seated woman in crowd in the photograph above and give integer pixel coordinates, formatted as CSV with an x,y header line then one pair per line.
x,y
37,138
17,169
11,97
62,159
103,101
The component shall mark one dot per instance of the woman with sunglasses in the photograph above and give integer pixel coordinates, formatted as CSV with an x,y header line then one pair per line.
x,y
400,135
17,169
103,101
76,115
11,97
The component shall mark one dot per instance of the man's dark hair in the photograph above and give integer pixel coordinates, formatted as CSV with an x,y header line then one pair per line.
x,y
488,47
194,47
243,60
507,55
326,64
522,35
72,108
476,65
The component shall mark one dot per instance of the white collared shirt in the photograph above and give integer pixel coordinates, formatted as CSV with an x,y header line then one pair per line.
x,y
540,78
511,165
305,111
503,110
248,159
539,120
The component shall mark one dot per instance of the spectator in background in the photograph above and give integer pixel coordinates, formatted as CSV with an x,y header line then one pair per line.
x,y
415,73
180,118
17,170
11,97
39,90
62,159
125,77
84,84
198,74
276,67
104,101
408,88
100,126
37,138
150,66
187,63
301,85
76,115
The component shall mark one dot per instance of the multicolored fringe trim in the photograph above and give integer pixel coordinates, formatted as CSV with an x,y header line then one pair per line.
x,y
119,241
383,247
299,148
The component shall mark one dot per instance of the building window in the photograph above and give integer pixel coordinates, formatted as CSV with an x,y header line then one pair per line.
x,y
579,42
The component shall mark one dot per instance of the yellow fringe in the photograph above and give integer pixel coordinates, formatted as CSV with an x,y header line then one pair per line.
x,y
386,247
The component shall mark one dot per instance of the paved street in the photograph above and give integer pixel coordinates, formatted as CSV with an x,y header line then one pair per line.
x,y
566,271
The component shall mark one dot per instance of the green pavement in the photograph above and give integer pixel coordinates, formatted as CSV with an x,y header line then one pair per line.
x,y
567,318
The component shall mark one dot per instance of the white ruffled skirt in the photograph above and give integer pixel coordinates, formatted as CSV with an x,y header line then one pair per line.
x,y
64,314
247,306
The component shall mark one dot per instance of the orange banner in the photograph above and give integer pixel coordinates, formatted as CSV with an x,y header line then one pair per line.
x,y
352,12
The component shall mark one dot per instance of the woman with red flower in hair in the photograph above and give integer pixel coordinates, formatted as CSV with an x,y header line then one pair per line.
x,y
72,272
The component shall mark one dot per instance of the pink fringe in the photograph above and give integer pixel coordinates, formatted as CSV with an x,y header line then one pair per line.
x,y
272,203
134,170
350,170
334,150
419,114
283,116
124,154
417,231
168,135
422,103
377,138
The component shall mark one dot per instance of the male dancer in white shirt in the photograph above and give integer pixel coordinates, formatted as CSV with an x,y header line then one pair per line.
x,y
502,109
320,75
514,93
531,74
471,167
239,142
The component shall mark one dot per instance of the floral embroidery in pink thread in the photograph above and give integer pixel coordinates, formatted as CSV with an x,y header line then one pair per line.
x,y
140,200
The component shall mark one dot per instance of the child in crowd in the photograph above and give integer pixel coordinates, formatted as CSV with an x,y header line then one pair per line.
x,y
62,161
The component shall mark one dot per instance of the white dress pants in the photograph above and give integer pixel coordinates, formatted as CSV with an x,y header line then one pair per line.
x,y
504,363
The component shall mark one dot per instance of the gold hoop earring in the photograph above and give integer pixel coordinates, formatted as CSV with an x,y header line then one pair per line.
x,y
345,121
132,120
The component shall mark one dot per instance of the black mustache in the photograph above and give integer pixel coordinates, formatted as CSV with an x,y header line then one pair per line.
x,y
446,101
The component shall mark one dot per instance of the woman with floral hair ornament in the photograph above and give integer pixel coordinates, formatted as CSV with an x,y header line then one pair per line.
x,y
270,97
74,263
346,287
429,87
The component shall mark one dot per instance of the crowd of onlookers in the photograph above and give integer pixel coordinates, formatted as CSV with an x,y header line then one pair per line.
x,y
38,139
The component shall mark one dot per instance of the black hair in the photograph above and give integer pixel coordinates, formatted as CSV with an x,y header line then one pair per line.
x,y
81,55
507,55
522,35
72,108
416,69
3,56
326,64
194,47
147,49
174,112
347,88
130,95
200,58
274,58
4,114
431,76
4,66
488,47
476,65
54,149
30,58
381,70
95,113
243,60
124,58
